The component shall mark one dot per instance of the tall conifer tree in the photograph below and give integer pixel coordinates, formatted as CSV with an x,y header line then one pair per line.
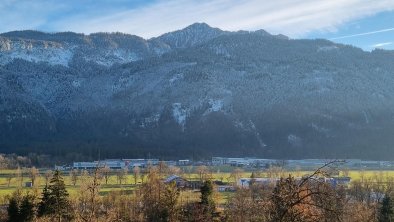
x,y
55,201
386,211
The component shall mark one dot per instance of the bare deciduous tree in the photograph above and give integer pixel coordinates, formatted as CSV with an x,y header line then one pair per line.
x,y
105,171
48,174
33,173
136,173
203,172
120,175
309,199
74,176
174,170
159,200
19,176
89,199
236,175
9,178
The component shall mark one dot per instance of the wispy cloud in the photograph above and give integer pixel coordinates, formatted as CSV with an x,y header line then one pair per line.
x,y
295,18
22,15
380,45
364,33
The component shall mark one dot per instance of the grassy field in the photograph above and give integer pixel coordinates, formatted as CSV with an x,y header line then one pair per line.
x,y
8,186
113,185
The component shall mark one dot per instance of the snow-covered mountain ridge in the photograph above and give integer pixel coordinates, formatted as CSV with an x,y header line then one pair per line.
x,y
198,90
102,48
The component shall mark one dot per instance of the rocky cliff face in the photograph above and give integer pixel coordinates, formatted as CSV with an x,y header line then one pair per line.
x,y
199,91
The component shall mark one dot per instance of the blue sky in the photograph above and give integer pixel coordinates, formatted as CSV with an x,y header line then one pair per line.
x,y
375,31
364,23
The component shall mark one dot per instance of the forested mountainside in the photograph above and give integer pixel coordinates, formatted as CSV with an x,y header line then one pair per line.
x,y
194,93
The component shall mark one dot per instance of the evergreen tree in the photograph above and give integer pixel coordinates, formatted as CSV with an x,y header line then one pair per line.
x,y
55,200
386,211
13,210
21,208
43,208
207,201
27,209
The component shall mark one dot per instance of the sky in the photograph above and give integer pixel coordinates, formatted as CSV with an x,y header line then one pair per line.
x,y
367,24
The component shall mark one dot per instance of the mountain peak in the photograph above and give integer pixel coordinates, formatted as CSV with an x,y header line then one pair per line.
x,y
262,32
198,25
26,34
191,35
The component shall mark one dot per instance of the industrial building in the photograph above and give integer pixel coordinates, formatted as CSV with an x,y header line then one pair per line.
x,y
116,163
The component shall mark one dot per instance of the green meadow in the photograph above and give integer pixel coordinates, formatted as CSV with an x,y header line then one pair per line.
x,y
9,181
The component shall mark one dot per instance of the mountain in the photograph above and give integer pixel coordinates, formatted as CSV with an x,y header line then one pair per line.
x,y
190,36
194,93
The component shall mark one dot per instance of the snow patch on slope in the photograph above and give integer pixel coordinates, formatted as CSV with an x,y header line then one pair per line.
x,y
221,50
214,106
327,48
366,117
319,129
108,58
180,114
250,127
175,78
76,83
149,121
294,140
257,134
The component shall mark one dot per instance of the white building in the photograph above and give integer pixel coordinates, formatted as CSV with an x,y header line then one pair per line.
x,y
246,161
116,163
141,162
183,162
111,163
245,182
84,165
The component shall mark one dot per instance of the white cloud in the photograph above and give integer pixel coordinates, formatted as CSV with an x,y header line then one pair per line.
x,y
380,45
294,18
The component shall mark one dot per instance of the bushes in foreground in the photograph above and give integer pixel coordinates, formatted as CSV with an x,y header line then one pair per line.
x,y
288,199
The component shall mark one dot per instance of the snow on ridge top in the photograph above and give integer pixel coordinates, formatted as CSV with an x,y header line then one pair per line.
x,y
54,56
34,51
56,53
7,44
